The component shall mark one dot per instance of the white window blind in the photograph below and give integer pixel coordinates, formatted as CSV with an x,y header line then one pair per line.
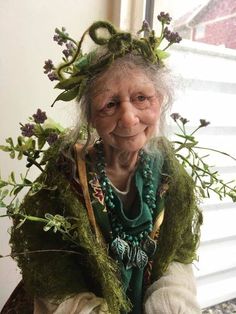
x,y
209,91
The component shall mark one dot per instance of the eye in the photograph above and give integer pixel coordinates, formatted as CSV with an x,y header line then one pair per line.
x,y
109,108
141,101
110,104
141,98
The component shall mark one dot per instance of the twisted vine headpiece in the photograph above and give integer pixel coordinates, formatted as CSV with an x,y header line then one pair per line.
x,y
77,68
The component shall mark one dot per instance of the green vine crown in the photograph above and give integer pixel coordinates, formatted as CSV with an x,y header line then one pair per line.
x,y
78,67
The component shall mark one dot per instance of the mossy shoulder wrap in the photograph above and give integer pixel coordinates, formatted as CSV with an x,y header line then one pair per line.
x,y
58,275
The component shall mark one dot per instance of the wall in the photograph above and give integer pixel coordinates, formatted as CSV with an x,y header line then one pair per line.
x,y
219,32
27,28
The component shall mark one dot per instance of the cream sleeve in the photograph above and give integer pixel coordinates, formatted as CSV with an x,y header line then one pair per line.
x,y
82,303
174,292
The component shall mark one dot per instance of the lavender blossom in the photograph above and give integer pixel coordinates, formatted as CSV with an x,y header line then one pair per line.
x,y
27,130
171,36
53,76
57,39
204,123
70,50
145,27
164,18
39,116
175,116
48,66
184,120
61,36
52,138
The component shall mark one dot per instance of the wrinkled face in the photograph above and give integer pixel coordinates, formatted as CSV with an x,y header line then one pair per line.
x,y
125,109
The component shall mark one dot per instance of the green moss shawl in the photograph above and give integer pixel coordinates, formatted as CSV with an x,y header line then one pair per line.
x,y
58,275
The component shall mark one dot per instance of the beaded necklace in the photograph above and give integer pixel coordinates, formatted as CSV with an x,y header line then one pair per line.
x,y
132,250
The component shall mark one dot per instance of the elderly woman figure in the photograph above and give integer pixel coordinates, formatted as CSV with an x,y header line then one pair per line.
x,y
133,206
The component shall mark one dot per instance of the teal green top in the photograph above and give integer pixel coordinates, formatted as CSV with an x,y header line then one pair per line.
x,y
132,278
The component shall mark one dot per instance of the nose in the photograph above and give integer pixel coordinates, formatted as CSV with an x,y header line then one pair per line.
x,y
128,115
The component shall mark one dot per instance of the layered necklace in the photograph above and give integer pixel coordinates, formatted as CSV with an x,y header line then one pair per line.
x,y
132,250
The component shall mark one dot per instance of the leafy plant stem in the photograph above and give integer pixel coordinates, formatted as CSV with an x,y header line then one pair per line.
x,y
217,151
34,162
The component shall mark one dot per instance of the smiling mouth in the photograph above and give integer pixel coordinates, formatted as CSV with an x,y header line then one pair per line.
x,y
129,135
126,135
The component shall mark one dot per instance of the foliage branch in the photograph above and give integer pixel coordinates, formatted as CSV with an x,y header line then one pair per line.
x,y
40,135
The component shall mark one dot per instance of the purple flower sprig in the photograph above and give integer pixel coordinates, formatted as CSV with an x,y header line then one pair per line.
x,y
52,138
164,18
40,116
34,136
206,177
27,130
48,135
48,66
50,70
70,50
176,116
145,27
171,37
204,123
61,37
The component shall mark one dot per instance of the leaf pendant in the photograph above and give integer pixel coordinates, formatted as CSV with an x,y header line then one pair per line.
x,y
149,246
120,248
141,258
136,257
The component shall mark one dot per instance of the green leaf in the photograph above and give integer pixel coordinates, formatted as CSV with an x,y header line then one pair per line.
x,y
5,148
20,140
26,181
12,177
4,194
2,204
70,82
10,141
12,154
187,137
2,184
202,192
38,130
35,188
51,124
16,206
190,145
21,223
20,155
41,142
17,189
162,54
30,144
84,60
67,95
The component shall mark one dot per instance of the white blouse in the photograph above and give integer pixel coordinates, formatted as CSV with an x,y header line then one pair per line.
x,y
173,293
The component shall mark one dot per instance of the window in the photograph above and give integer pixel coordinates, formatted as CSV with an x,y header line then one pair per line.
x,y
207,75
